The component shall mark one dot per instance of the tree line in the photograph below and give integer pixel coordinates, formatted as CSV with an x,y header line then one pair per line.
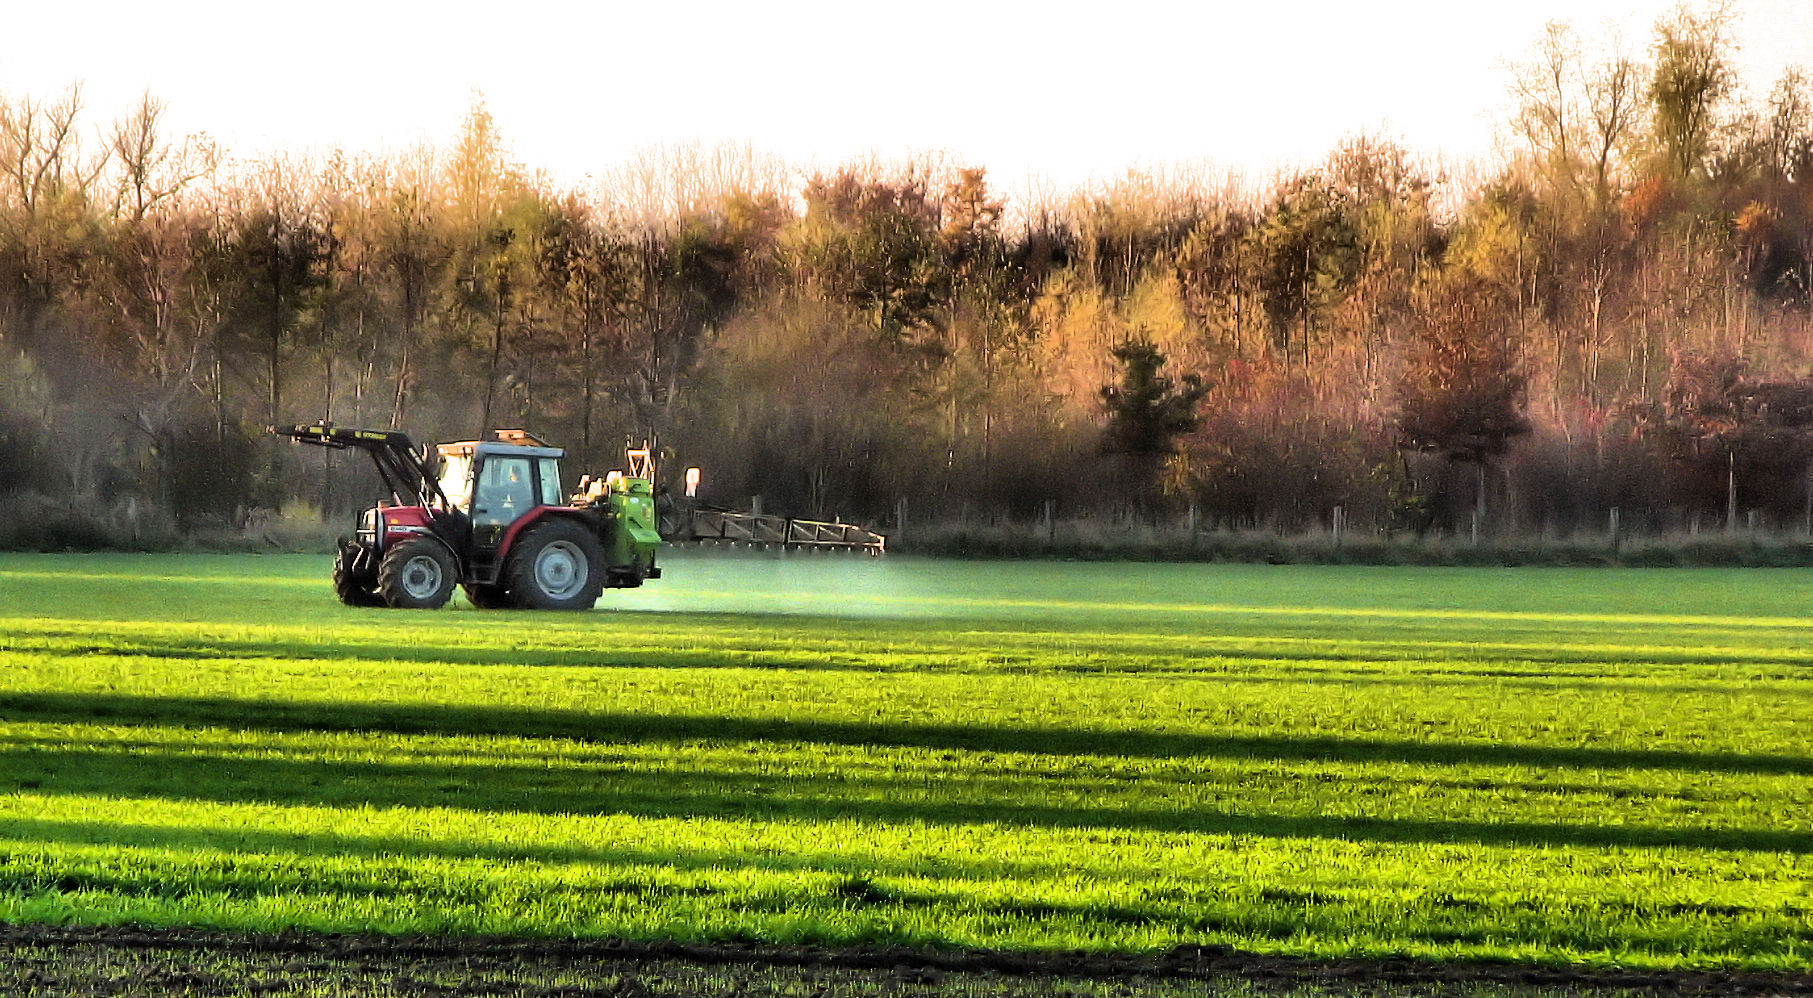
x,y
1617,313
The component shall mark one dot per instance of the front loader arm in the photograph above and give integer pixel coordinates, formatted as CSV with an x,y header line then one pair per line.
x,y
406,474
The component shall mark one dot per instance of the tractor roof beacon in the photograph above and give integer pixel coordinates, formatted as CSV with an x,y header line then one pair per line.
x,y
489,516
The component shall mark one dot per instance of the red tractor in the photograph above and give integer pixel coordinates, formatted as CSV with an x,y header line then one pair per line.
x,y
490,516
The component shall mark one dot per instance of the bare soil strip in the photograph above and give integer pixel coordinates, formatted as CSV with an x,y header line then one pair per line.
x,y
57,960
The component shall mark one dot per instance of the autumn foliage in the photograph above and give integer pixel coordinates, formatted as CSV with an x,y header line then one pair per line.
x,y
1515,353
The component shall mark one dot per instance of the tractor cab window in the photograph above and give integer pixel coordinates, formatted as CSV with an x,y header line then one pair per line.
x,y
505,490
456,480
550,482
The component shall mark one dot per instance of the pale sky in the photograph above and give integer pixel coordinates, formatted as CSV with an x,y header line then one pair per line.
x,y
1065,92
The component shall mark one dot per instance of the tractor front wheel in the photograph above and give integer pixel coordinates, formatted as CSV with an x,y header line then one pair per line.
x,y
354,588
417,575
557,565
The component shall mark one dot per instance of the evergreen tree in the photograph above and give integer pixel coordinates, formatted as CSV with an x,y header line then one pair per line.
x,y
1147,412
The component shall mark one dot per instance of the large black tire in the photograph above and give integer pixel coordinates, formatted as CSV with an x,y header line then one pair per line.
x,y
487,597
417,574
353,587
556,565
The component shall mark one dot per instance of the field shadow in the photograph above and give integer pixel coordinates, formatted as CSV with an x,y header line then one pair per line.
x,y
617,727
342,844
959,798
1315,644
214,648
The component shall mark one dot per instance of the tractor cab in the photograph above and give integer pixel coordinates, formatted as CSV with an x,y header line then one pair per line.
x,y
495,482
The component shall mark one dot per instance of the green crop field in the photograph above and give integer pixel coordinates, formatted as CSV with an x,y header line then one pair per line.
x,y
1608,767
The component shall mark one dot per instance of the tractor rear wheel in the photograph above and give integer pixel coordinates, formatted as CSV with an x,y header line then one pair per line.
x,y
556,565
353,587
417,575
